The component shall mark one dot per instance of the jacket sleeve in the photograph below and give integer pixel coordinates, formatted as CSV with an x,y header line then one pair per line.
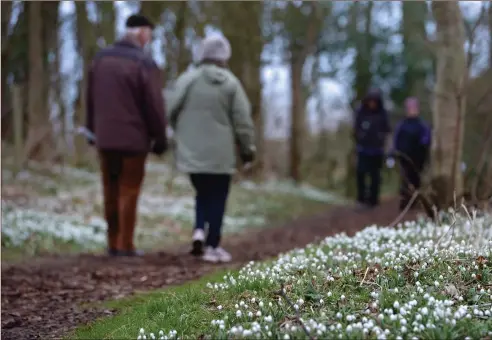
x,y
242,121
397,138
356,125
153,100
425,141
89,102
175,99
386,123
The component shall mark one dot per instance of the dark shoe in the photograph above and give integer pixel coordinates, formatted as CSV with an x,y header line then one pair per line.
x,y
134,253
113,252
362,207
197,244
125,253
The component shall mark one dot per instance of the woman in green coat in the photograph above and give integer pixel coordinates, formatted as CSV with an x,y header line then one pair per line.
x,y
210,114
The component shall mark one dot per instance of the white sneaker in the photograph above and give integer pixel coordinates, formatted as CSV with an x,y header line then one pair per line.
x,y
197,242
210,255
223,255
216,255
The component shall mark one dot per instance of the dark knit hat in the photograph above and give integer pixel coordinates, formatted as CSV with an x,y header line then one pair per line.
x,y
138,20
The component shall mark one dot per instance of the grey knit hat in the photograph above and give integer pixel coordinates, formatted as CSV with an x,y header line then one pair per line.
x,y
214,47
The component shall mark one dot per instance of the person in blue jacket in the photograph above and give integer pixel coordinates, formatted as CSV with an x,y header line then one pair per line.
x,y
412,141
370,130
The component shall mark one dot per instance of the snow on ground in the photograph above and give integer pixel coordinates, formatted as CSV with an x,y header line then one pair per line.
x,y
285,187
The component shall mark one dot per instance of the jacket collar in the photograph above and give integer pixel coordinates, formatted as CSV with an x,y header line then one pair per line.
x,y
127,43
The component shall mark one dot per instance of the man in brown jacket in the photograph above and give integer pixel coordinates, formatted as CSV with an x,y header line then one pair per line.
x,y
125,112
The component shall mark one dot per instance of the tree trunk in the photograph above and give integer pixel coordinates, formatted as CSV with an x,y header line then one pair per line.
x,y
297,117
449,103
107,27
39,125
6,11
415,54
490,35
364,45
182,57
300,48
86,46
364,48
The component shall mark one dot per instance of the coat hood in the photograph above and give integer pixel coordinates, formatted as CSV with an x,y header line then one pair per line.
x,y
214,75
373,94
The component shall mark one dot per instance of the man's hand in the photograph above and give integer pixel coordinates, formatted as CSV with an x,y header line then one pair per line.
x,y
159,147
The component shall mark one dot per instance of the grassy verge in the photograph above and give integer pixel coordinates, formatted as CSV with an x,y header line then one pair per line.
x,y
420,280
54,209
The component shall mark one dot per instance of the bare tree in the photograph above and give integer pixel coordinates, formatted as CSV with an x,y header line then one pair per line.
x,y
39,128
490,35
449,102
86,47
300,46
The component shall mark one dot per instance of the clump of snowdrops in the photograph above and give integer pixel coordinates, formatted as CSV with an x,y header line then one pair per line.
x,y
419,280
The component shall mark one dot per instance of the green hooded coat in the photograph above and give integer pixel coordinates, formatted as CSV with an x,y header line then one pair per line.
x,y
210,113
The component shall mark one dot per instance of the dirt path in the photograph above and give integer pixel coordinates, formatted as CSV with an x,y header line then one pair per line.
x,y
43,298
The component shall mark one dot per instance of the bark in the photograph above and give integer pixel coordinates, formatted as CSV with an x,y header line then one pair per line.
x,y
107,27
300,49
182,56
39,126
449,103
86,47
415,54
6,11
365,46
296,124
490,34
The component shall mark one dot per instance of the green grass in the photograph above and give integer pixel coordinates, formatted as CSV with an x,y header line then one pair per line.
x,y
187,306
382,282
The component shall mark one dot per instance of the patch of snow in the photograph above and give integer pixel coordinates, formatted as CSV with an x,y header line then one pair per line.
x,y
304,190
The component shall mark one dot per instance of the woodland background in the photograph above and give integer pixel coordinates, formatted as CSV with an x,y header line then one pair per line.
x,y
304,64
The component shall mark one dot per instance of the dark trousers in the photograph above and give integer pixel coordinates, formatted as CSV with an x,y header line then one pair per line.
x,y
409,182
369,166
122,177
212,191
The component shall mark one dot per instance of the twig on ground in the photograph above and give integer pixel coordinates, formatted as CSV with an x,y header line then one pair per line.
x,y
365,274
450,229
281,292
403,213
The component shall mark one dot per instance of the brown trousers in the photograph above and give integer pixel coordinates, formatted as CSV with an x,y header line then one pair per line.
x,y
122,177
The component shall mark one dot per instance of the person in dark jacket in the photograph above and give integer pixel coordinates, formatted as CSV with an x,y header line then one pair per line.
x,y
371,130
411,148
125,112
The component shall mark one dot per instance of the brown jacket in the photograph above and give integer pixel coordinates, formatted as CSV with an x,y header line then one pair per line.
x,y
125,107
